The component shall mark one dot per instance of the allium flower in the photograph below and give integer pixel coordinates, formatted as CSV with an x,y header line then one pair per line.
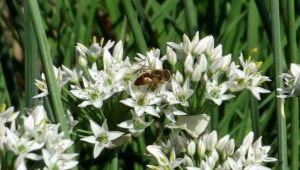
x,y
291,81
58,161
42,85
136,125
163,161
142,101
72,75
171,112
194,47
151,60
248,78
216,92
92,94
179,94
6,116
23,145
102,138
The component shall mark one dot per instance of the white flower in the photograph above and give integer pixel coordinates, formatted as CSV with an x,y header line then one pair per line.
x,y
42,85
59,161
152,60
291,81
136,125
216,92
179,95
248,78
92,94
96,49
171,112
102,138
194,47
163,161
72,75
23,145
142,101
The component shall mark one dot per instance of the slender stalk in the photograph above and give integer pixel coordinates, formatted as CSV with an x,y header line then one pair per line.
x,y
48,66
135,26
295,134
281,119
292,47
254,116
114,162
31,56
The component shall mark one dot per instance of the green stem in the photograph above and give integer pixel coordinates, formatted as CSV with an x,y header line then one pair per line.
x,y
254,116
135,26
114,162
292,47
281,119
295,134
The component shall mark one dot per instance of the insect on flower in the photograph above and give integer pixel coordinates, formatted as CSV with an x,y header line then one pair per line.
x,y
153,78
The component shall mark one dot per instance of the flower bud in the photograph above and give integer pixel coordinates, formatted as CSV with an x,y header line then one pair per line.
x,y
201,148
196,76
118,51
82,61
188,64
211,140
229,147
178,77
186,44
191,148
226,62
171,56
221,143
187,161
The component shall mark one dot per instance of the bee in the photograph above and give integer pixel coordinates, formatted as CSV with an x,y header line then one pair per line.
x,y
152,78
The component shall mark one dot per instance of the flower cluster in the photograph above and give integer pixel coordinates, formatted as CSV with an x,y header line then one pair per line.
x,y
209,152
170,92
35,139
291,81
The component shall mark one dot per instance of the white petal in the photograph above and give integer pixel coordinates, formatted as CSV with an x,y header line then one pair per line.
x,y
129,102
128,124
112,135
97,150
84,103
248,140
90,139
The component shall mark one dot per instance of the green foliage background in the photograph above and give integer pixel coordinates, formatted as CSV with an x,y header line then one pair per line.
x,y
240,25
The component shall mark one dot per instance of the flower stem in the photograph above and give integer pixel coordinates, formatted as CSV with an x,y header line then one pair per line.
x,y
295,134
114,162
254,116
292,48
281,119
